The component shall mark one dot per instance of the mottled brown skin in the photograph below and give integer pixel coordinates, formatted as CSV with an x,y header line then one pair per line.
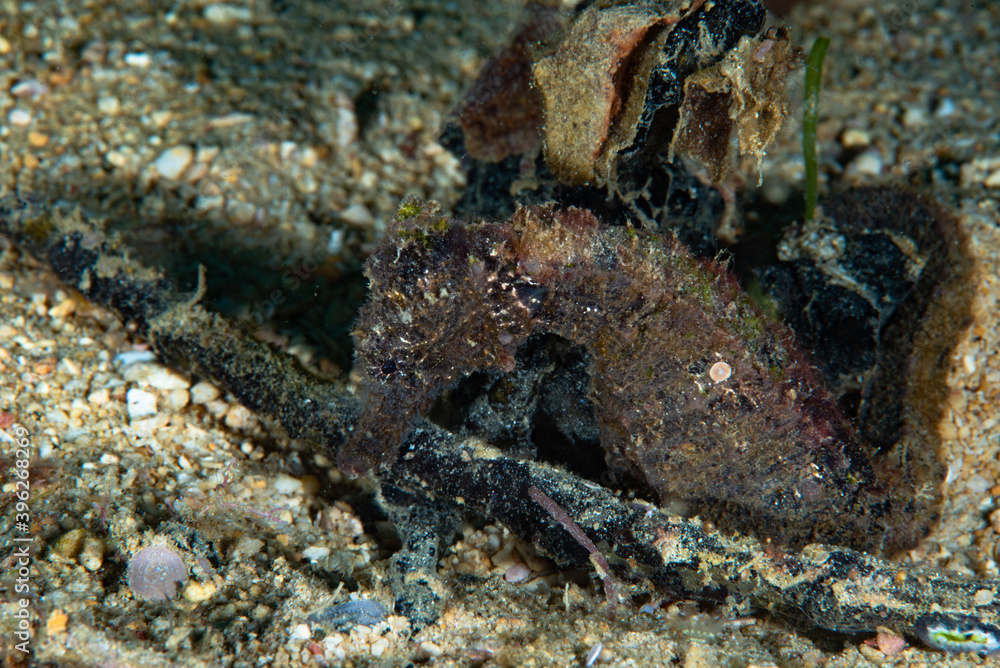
x,y
764,450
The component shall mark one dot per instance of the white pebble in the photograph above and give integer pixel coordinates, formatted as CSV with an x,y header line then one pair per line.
x,y
109,105
177,399
969,362
172,162
286,484
315,553
993,180
148,426
855,138
428,649
156,375
301,632
240,418
133,356
198,171
163,378
517,573
140,403
978,484
336,242
914,117
138,59
222,14
357,215
346,126
868,163
246,547
379,647
19,117
945,108
99,397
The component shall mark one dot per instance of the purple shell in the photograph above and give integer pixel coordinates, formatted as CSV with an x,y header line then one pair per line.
x,y
154,573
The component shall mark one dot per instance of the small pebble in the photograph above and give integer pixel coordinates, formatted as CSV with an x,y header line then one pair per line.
x,y
945,108
379,647
855,138
983,597
94,52
138,59
315,553
203,392
247,547
56,623
172,162
428,650
163,378
867,164
133,356
914,117
301,632
217,408
199,592
175,400
140,403
99,398
346,124
19,117
357,215
92,555
108,105
70,544
978,485
222,14
240,419
155,375
286,484
517,573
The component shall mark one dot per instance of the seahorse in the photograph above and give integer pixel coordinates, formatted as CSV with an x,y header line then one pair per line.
x,y
699,395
